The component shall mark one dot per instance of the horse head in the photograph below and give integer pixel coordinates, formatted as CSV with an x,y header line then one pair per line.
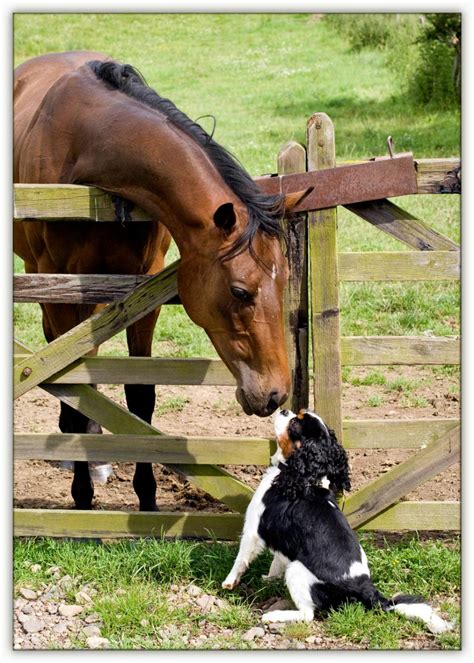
x,y
232,286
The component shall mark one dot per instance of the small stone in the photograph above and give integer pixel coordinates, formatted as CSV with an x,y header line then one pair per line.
x,y
299,645
28,594
60,628
35,568
219,603
144,623
276,627
281,604
92,619
18,603
70,610
91,630
310,640
252,633
120,591
205,602
27,609
52,608
83,598
95,642
194,590
33,625
22,617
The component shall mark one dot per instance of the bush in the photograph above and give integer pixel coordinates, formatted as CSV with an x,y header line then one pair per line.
x,y
423,51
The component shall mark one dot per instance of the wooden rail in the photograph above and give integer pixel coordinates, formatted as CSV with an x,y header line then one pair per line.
x,y
61,369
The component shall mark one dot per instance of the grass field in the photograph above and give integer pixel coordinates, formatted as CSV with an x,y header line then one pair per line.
x,y
261,76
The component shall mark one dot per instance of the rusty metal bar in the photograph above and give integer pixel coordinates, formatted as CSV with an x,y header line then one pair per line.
x,y
383,177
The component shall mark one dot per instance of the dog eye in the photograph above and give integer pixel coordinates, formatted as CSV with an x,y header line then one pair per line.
x,y
241,294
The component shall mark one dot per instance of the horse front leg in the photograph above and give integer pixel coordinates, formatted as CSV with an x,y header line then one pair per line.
x,y
141,402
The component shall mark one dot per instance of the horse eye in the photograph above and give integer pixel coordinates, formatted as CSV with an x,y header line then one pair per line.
x,y
241,294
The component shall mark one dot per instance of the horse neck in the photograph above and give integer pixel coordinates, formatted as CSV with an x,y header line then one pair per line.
x,y
162,170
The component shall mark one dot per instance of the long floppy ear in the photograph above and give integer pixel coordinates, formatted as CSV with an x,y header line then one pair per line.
x,y
293,199
338,465
304,470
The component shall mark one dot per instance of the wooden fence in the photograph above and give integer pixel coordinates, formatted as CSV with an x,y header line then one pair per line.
x,y
312,301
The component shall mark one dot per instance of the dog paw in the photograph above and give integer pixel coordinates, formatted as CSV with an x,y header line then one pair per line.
x,y
230,583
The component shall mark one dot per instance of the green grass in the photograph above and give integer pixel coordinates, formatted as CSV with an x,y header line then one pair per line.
x,y
262,76
136,580
316,70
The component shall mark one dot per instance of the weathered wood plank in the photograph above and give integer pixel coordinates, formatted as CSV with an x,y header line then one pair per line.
x,y
94,331
292,159
439,175
162,449
322,235
116,419
394,434
75,288
66,202
374,498
434,516
142,370
124,524
399,350
397,222
399,266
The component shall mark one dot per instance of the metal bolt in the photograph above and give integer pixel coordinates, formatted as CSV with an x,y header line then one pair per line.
x,y
27,371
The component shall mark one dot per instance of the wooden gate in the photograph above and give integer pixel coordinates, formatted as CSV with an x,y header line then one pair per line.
x,y
312,301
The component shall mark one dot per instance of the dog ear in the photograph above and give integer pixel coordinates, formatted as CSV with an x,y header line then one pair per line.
x,y
304,470
338,465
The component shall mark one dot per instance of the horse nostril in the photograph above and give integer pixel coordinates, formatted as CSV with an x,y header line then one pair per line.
x,y
275,400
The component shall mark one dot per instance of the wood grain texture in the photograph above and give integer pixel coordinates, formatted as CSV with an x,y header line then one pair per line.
x,y
324,283
399,350
95,330
394,434
292,159
417,516
374,498
400,266
142,370
400,224
162,449
66,202
125,524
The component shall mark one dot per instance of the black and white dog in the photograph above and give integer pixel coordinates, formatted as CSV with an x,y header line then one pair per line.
x,y
294,513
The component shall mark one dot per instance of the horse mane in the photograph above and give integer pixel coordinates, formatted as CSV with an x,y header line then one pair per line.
x,y
264,211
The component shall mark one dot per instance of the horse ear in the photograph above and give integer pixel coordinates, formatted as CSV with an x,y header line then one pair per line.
x,y
224,217
292,199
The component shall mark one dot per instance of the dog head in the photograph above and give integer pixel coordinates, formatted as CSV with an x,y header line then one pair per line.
x,y
310,451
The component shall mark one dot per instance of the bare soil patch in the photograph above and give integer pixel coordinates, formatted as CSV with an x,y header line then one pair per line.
x,y
213,411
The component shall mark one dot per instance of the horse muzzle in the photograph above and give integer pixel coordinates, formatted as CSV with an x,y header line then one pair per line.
x,y
262,406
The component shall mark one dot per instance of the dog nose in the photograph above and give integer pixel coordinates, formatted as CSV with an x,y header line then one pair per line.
x,y
285,412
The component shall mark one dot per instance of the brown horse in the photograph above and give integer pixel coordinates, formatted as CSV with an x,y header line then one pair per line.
x,y
83,118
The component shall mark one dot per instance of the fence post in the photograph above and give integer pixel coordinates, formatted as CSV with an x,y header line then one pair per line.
x,y
324,292
292,159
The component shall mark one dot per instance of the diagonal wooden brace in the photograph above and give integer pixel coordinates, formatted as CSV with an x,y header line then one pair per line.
x,y
212,479
95,330
371,500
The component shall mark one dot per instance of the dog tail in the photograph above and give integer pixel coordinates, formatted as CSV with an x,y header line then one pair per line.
x,y
414,607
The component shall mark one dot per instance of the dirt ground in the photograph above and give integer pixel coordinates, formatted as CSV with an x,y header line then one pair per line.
x,y
213,411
